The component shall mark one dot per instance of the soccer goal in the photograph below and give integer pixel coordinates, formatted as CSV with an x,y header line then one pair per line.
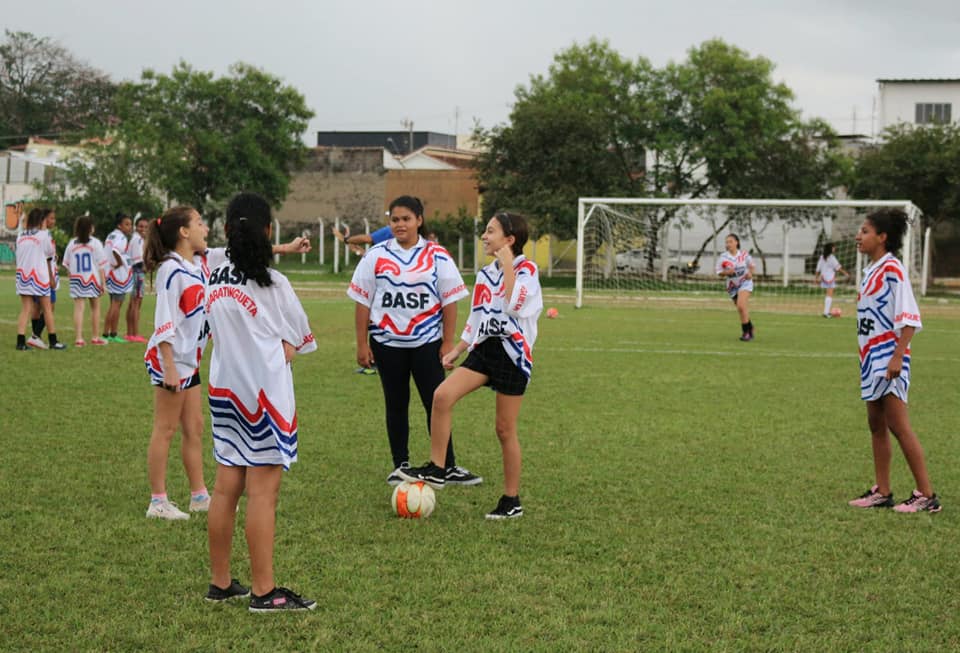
x,y
631,248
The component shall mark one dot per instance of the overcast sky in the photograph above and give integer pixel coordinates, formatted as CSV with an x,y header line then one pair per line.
x,y
368,65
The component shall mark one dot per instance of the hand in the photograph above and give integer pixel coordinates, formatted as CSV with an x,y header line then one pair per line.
x,y
170,381
289,351
364,356
449,359
505,256
298,245
894,367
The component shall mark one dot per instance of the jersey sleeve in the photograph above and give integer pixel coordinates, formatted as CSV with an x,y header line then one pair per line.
x,y
167,315
68,256
99,255
905,309
215,257
525,302
449,282
296,327
363,285
49,249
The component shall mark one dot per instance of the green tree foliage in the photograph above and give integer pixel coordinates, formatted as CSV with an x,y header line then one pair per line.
x,y
202,138
715,124
921,164
45,91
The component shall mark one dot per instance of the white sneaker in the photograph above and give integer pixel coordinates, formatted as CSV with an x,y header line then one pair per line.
x,y
200,505
36,343
165,510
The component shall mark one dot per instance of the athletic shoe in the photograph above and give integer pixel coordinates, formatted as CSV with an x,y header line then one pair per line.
x,y
435,477
98,341
235,591
165,510
919,503
828,316
457,475
79,343
58,347
873,499
507,508
280,599
36,343
395,478
747,337
201,504
116,339
22,347
134,338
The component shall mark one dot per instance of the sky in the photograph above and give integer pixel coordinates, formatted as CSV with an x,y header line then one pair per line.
x,y
446,64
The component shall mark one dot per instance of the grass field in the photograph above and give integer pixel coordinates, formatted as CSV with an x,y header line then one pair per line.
x,y
683,491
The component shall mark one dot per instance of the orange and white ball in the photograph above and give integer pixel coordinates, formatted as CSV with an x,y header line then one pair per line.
x,y
413,500
836,312
552,313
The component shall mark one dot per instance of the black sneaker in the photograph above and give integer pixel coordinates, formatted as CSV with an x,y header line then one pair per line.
x,y
507,508
235,591
58,346
395,478
435,477
22,347
457,475
280,599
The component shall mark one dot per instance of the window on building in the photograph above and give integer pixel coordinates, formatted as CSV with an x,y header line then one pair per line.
x,y
932,112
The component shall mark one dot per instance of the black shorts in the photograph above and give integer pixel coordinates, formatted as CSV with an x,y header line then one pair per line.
x,y
192,382
503,376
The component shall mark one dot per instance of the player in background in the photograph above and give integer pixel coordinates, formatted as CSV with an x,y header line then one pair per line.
x,y
887,319
119,281
826,275
406,291
84,259
37,320
258,326
173,354
356,241
737,267
35,251
499,335
136,293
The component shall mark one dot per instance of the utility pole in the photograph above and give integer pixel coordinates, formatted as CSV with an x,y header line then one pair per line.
x,y
408,125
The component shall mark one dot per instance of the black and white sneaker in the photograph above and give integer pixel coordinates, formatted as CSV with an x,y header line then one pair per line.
x,y
235,591
435,477
280,599
395,478
58,346
507,508
457,475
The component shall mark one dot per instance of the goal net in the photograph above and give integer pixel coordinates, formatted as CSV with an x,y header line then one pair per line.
x,y
667,249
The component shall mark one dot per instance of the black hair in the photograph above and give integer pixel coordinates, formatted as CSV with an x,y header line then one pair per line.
x,y
35,218
163,234
415,205
120,217
82,228
142,218
514,224
736,238
827,249
892,222
248,245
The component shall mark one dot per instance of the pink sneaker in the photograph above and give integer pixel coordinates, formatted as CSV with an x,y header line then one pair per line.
x,y
919,503
872,499
79,342
134,338
98,341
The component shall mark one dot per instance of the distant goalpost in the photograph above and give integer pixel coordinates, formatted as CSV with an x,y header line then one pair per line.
x,y
666,249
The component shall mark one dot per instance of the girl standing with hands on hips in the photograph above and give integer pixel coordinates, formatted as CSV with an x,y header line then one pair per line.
x,y
499,335
737,267
887,319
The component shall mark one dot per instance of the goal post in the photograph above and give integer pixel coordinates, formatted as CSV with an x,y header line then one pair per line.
x,y
632,248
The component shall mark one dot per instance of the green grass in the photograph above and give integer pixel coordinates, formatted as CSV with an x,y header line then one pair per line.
x,y
683,491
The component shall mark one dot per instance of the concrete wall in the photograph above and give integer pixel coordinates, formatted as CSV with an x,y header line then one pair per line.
x,y
443,192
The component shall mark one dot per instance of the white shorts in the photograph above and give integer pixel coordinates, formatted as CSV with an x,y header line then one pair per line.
x,y
828,284
745,285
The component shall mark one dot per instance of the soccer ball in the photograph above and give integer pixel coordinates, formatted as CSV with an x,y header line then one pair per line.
x,y
836,312
413,500
552,313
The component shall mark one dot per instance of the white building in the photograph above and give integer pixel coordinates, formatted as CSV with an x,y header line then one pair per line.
x,y
918,101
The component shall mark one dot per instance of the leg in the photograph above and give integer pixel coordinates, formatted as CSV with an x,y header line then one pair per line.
x,y
827,301
263,487
393,368
26,310
191,427
78,318
743,306
895,412
508,409
46,307
133,307
167,408
428,374
880,440
220,521
461,382
95,316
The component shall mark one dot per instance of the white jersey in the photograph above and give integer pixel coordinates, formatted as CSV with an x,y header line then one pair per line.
x,y
827,269
119,277
35,252
513,320
885,304
741,263
135,249
406,290
85,262
252,406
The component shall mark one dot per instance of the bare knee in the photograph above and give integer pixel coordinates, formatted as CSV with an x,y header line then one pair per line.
x,y
505,430
443,399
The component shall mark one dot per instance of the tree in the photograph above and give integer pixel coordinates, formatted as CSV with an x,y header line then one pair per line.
x,y
920,164
201,138
45,91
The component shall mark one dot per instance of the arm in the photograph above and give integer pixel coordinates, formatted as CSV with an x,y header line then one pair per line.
x,y
171,380
448,319
298,245
361,318
896,360
451,356
505,256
